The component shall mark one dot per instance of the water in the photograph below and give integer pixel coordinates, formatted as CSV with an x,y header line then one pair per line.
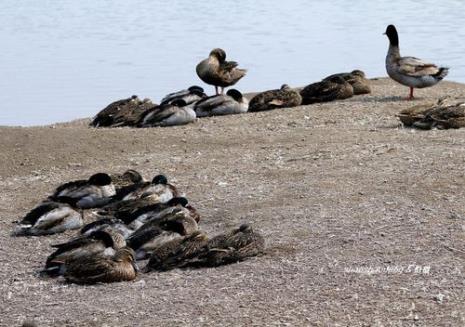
x,y
62,60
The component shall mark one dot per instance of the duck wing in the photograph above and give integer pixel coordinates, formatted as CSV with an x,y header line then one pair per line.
x,y
416,67
34,215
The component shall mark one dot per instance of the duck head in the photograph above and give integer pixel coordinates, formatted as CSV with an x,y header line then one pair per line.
x,y
285,87
100,179
219,54
160,179
180,200
133,176
235,94
358,73
195,88
391,33
126,254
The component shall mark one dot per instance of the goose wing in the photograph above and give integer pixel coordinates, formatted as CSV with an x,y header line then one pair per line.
x,y
416,67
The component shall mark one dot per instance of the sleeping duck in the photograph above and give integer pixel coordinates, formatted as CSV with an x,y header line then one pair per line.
x,y
159,210
231,103
177,253
129,177
157,232
191,95
215,70
94,192
124,112
284,97
158,187
106,223
335,88
237,245
357,79
49,218
101,269
410,71
102,242
172,114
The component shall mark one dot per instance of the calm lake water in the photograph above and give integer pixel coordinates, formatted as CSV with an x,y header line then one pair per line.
x,y
62,60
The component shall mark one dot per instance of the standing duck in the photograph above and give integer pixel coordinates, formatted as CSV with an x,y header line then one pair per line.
x,y
170,114
191,95
100,269
49,218
231,103
215,70
85,194
335,88
284,97
410,71
357,79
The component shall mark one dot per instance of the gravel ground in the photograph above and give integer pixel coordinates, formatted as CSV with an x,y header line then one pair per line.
x,y
364,219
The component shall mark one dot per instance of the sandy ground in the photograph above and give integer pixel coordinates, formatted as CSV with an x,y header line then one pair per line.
x,y
364,219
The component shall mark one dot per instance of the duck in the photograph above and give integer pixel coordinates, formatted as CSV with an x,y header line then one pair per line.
x,y
410,71
124,209
176,253
129,177
102,242
107,222
159,210
159,188
85,194
125,112
100,269
357,79
216,71
49,218
172,114
230,247
444,116
231,103
411,115
284,97
335,88
189,96
157,232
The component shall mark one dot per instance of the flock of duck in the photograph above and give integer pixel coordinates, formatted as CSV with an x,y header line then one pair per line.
x,y
130,220
187,105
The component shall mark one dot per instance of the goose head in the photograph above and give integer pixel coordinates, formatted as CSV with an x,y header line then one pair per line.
x,y
391,33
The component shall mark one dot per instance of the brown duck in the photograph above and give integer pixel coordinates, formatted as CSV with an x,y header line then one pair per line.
x,y
284,97
99,269
357,79
335,88
216,71
177,253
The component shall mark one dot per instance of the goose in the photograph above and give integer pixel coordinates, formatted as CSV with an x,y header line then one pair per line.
x,y
176,253
172,114
95,191
100,269
49,218
159,188
125,112
236,245
231,103
284,97
357,79
335,88
216,71
410,71
102,242
191,95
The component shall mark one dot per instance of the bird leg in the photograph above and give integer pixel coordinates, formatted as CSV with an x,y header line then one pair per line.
x,y
411,94
216,90
222,90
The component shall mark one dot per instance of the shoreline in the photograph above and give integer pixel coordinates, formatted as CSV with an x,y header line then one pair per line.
x,y
363,218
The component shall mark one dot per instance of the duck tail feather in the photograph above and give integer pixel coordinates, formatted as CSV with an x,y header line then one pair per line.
x,y
443,71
